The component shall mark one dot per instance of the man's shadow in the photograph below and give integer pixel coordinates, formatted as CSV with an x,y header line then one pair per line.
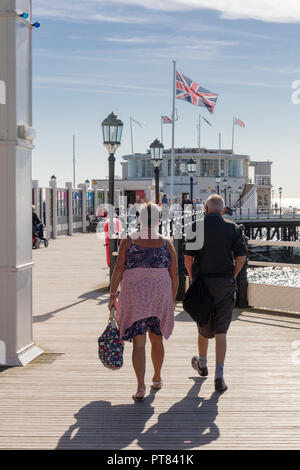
x,y
188,424
101,425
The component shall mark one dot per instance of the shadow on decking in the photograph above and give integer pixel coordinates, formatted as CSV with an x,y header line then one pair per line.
x,y
100,294
188,423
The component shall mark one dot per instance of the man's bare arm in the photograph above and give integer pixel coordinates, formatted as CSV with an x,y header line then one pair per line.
x,y
239,263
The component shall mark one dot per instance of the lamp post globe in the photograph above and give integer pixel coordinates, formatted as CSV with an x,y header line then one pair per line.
x,y
112,128
53,178
156,154
87,184
191,167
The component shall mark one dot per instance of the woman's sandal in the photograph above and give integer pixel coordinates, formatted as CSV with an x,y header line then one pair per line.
x,y
137,398
157,385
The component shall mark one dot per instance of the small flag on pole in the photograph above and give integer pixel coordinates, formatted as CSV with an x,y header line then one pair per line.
x,y
166,120
206,121
238,122
193,93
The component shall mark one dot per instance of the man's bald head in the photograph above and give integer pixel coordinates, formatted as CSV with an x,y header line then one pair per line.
x,y
214,204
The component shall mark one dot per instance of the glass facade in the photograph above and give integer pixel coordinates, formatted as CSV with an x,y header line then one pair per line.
x,y
235,168
177,167
132,168
211,167
147,169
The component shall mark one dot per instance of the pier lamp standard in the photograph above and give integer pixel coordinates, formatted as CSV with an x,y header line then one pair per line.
x,y
240,190
53,179
112,133
218,181
87,184
229,189
191,167
225,184
280,194
156,153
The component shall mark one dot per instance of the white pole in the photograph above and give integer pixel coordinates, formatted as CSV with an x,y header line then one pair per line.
x,y
161,129
199,134
131,135
74,163
232,134
219,154
173,135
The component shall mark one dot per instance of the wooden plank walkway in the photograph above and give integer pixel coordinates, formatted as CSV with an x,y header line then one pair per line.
x,y
67,399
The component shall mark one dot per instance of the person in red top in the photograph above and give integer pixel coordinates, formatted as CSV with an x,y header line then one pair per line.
x,y
117,228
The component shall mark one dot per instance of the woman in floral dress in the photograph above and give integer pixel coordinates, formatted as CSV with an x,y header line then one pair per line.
x,y
147,266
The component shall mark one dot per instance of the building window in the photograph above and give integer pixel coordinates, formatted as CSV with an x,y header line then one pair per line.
x,y
132,168
235,168
177,166
211,167
147,169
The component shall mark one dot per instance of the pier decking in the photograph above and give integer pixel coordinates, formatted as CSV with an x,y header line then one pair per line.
x,y
66,399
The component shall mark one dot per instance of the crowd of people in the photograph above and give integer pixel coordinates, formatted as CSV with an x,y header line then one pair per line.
x,y
146,269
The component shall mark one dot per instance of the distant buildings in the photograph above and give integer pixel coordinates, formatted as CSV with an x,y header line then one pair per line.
x,y
137,182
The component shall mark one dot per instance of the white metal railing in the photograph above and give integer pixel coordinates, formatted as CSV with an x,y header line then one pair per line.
x,y
269,296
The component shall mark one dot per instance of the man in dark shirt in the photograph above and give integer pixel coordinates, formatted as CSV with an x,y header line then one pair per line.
x,y
219,261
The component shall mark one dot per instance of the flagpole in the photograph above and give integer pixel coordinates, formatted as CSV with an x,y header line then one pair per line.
x,y
74,163
219,154
161,129
232,134
199,135
131,136
173,135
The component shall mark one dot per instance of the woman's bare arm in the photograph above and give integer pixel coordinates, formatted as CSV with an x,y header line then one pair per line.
x,y
188,264
118,271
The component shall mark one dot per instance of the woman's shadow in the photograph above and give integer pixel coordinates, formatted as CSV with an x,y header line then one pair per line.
x,y
101,425
187,424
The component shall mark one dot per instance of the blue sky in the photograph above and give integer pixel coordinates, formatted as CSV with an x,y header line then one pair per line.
x,y
96,56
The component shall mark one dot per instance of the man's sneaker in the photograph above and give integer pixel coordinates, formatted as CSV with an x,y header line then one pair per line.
x,y
220,385
202,371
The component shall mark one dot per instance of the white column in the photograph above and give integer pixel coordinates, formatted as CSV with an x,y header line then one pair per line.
x,y
47,211
16,136
53,185
83,200
70,210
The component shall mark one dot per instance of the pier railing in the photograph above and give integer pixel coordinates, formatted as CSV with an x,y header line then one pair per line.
x,y
272,296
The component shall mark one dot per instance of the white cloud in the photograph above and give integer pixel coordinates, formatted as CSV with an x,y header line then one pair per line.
x,y
279,11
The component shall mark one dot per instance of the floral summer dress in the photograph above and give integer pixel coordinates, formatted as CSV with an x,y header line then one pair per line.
x,y
146,300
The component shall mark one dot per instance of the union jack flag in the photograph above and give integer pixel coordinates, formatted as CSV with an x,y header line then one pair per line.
x,y
190,91
238,122
166,120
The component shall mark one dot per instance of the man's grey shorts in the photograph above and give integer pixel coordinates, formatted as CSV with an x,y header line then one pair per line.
x,y
223,291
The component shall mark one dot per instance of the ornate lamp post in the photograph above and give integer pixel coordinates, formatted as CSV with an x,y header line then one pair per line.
x,y
191,167
112,133
218,181
87,184
225,184
156,152
240,190
229,194
280,194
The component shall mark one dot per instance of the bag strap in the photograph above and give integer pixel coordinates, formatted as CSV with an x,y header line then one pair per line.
x,y
112,318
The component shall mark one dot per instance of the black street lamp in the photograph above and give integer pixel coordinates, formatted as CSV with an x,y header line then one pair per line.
x,y
240,190
191,167
87,184
229,194
280,194
225,184
112,133
156,152
218,181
